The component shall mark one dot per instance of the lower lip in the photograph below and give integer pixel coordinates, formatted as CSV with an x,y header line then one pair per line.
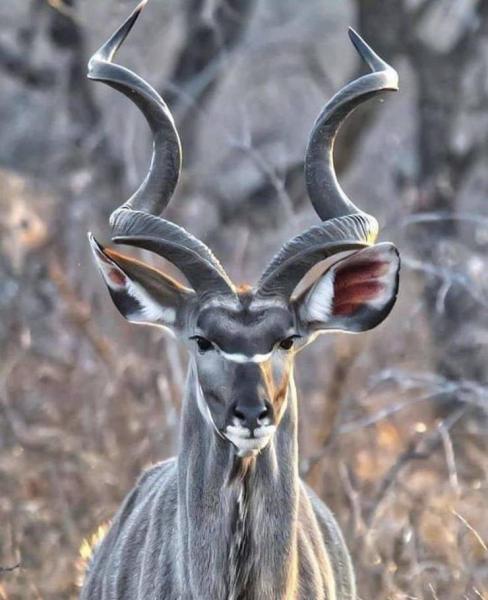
x,y
248,444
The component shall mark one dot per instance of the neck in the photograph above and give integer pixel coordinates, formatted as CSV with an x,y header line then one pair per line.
x,y
237,517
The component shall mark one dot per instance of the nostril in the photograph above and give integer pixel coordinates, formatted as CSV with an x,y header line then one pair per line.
x,y
239,414
252,416
263,414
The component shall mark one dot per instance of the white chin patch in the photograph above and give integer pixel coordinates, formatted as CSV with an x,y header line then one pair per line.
x,y
246,445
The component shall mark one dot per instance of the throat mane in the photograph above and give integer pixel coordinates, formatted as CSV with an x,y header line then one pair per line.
x,y
240,554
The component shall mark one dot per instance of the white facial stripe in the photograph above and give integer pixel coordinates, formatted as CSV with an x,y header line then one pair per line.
x,y
204,409
243,358
150,311
229,303
257,303
260,303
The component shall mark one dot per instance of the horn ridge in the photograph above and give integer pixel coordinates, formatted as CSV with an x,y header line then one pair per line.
x,y
345,226
154,193
324,190
172,242
299,254
108,50
137,221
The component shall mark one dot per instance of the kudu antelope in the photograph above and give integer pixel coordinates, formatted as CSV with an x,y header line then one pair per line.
x,y
229,517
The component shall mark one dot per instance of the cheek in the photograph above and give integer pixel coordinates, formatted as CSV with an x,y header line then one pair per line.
x,y
213,375
277,377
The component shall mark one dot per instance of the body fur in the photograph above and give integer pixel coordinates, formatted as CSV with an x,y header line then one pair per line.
x,y
210,526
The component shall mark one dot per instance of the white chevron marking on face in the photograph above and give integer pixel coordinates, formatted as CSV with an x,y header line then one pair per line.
x,y
260,303
243,358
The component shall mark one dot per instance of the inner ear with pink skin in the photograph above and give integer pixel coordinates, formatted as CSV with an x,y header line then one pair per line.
x,y
355,294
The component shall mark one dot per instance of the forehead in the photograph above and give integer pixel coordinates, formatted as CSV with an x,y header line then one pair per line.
x,y
245,327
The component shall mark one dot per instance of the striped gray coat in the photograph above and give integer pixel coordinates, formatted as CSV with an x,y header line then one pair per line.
x,y
229,517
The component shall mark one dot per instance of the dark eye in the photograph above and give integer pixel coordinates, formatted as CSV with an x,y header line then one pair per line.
x,y
287,343
203,344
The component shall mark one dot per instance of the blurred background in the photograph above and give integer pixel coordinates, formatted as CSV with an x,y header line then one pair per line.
x,y
393,423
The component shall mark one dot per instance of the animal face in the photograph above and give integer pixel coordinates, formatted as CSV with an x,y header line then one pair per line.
x,y
244,351
243,345
243,342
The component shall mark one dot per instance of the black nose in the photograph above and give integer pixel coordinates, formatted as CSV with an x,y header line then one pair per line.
x,y
251,415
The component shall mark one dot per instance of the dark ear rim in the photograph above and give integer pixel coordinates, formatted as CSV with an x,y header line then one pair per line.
x,y
141,294
380,315
123,261
362,320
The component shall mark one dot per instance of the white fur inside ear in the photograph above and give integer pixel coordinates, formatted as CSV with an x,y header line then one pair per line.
x,y
318,306
149,310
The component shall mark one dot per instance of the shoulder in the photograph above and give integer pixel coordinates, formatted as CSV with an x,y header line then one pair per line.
x,y
321,510
325,518
156,474
154,481
334,543
158,480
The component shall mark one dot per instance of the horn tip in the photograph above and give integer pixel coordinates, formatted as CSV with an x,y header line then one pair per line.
x,y
94,244
357,40
140,7
127,26
365,51
375,62
107,52
352,32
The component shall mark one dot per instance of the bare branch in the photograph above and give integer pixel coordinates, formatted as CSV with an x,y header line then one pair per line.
x,y
472,529
17,65
420,12
419,449
10,569
212,35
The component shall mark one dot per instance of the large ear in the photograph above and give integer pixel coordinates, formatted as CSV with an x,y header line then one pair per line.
x,y
141,294
355,294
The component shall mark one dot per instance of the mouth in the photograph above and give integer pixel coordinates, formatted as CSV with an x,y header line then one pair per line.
x,y
247,445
